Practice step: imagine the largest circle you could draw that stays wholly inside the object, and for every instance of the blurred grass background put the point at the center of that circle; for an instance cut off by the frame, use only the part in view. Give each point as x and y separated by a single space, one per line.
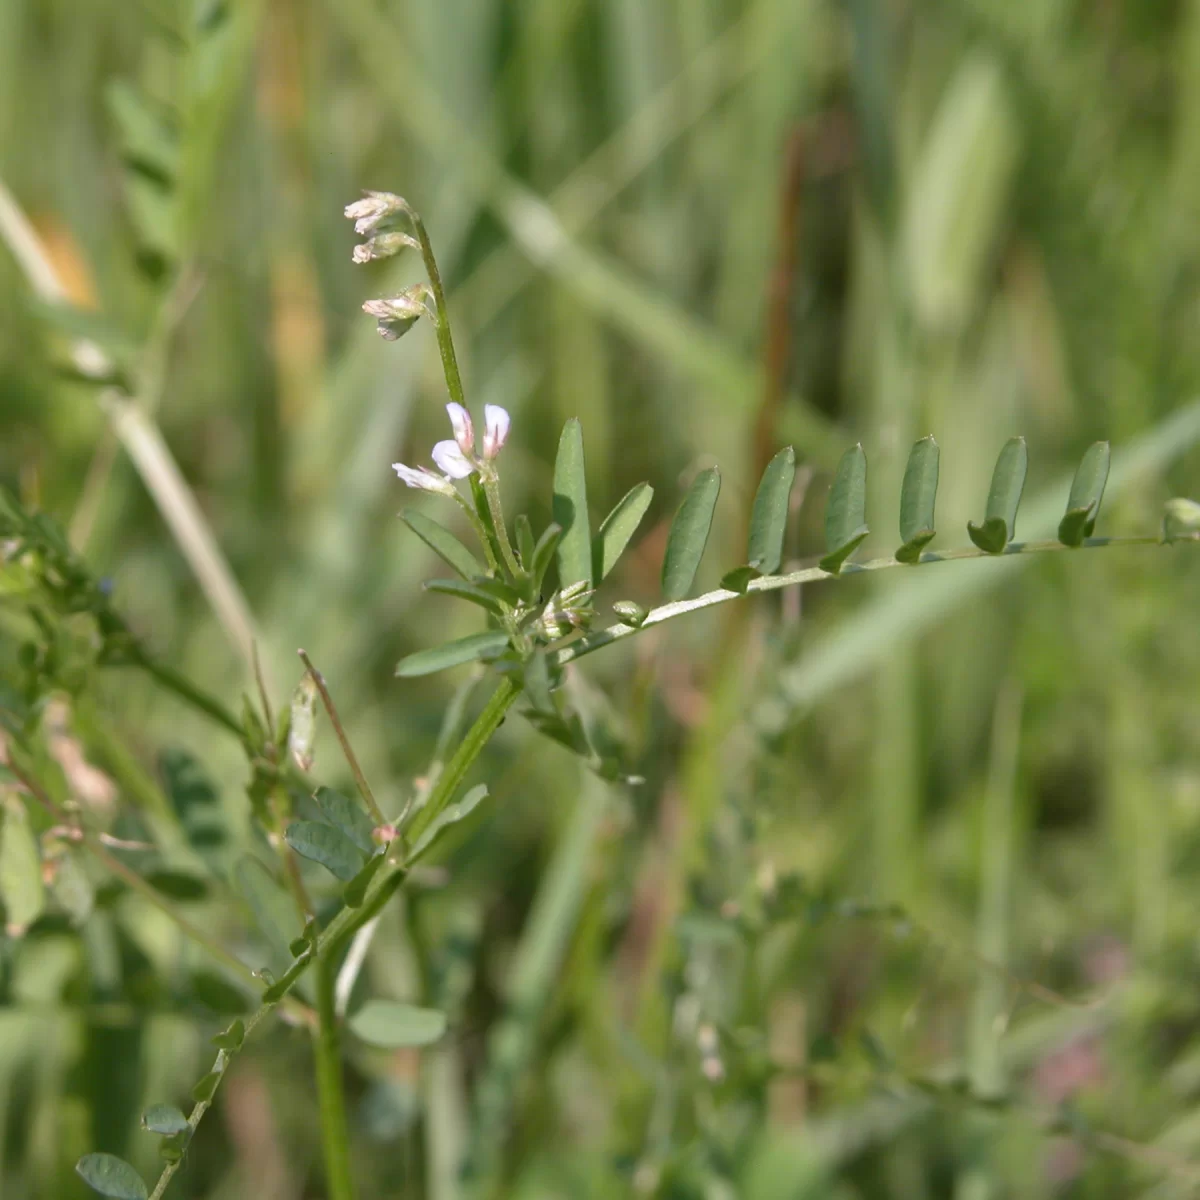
707 228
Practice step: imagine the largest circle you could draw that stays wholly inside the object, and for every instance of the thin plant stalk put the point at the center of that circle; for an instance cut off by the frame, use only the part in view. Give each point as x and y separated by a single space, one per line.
347 750
331 1095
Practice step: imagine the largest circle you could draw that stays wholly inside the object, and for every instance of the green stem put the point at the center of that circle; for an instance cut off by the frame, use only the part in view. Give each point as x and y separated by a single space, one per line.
460 761
771 583
480 532
187 691
335 1134
347 750
444 337
491 489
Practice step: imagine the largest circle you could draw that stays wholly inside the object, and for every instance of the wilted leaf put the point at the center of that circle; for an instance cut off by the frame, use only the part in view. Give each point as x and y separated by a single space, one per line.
303 733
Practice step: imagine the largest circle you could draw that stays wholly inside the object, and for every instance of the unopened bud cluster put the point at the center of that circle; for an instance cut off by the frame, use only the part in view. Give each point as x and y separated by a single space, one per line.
373 217
569 609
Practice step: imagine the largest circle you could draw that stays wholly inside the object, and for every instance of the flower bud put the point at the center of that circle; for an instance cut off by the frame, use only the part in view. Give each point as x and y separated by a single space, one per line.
384 245
463 426
372 210
496 426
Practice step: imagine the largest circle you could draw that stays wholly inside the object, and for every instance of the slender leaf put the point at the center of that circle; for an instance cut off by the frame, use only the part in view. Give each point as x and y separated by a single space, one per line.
325 845
111 1176
443 543
355 892
1004 497
349 816
525 544
918 499
450 815
544 551
570 508
453 654
846 512
1087 490
465 591
768 518
165 1119
391 1025
689 534
498 590
618 528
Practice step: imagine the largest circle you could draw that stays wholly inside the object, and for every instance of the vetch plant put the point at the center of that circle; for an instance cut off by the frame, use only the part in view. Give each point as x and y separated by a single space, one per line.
535 592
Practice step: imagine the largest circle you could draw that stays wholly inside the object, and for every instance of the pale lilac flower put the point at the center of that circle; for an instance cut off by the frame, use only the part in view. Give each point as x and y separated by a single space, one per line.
464 428
423 478
496 426
451 460
372 210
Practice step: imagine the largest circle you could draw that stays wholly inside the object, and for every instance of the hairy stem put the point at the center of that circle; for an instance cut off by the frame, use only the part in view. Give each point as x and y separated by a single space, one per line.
491 489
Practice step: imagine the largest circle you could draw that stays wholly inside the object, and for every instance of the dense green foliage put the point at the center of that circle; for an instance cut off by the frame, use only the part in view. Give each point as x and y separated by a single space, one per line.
876 887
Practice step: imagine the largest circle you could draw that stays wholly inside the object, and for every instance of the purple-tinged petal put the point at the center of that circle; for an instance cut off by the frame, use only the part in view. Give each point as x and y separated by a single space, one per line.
463 426
496 426
450 460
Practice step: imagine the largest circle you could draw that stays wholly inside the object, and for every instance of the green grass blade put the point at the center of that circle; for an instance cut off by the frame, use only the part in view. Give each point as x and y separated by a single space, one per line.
689 534
443 543
453 654
846 512
618 528
1087 490
570 508
1004 497
918 499
768 518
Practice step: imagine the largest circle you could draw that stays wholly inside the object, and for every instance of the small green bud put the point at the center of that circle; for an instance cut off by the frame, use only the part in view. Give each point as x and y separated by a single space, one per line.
1181 520
631 612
